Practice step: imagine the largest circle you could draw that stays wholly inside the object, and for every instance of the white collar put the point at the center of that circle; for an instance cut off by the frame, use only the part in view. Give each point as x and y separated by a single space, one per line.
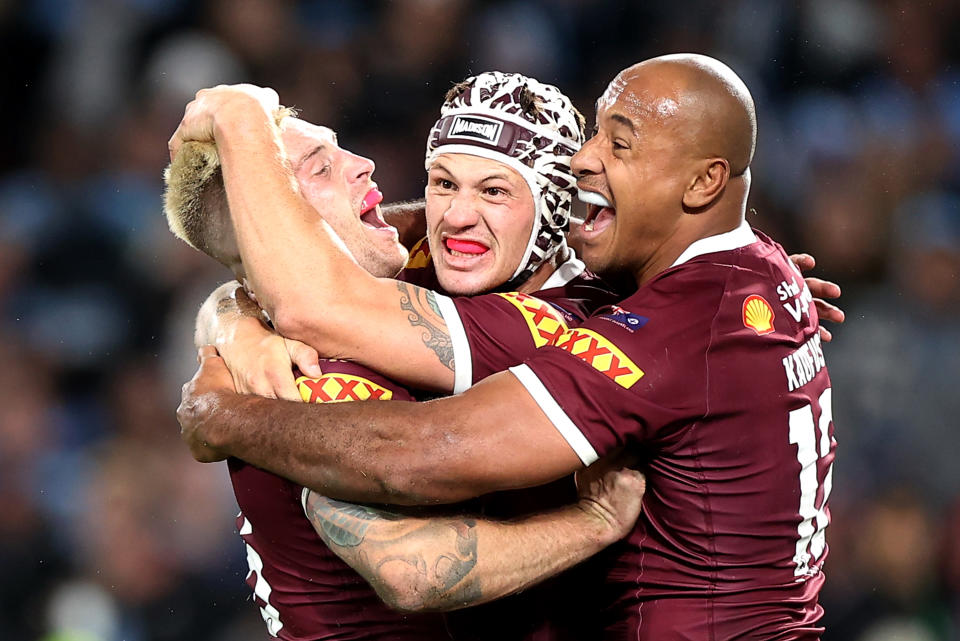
567 271
739 237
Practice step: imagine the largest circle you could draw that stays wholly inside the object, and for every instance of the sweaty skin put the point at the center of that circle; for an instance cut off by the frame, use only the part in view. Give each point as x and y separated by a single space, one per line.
669 192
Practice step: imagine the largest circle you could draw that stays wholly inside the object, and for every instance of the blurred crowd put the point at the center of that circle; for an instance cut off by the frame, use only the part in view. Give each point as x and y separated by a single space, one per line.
110 531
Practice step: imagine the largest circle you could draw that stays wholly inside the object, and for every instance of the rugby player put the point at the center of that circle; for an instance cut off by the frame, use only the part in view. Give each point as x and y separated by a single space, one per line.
303 590
713 369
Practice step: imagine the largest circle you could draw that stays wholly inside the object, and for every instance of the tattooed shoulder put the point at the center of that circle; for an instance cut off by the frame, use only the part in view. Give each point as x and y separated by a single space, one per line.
425 312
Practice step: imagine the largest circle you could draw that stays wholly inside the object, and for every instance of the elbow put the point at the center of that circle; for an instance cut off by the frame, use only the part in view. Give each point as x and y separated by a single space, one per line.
293 319
403 597
415 597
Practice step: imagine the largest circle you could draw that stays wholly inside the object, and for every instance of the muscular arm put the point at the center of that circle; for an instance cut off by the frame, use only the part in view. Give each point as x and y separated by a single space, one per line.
492 437
448 562
329 302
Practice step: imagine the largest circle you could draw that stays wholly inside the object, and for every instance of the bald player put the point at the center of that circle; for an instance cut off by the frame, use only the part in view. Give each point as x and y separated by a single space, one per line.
712 371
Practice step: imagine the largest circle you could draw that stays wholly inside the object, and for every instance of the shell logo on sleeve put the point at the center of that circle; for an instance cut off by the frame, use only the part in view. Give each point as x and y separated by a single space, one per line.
545 323
602 355
757 314
339 388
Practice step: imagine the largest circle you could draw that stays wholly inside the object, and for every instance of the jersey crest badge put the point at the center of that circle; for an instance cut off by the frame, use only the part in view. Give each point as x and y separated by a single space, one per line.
546 324
627 320
602 355
340 388
757 314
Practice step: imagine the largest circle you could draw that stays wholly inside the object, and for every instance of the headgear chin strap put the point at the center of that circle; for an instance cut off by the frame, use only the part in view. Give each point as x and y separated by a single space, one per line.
487 119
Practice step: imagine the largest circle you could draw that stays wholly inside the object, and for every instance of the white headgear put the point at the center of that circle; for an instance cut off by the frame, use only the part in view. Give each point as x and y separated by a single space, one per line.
529 126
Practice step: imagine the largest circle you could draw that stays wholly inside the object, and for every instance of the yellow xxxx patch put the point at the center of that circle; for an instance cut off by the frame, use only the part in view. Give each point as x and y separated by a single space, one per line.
339 388
602 355
545 323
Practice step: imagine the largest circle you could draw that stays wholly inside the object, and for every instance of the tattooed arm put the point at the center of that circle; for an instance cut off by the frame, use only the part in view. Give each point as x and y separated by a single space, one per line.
420 563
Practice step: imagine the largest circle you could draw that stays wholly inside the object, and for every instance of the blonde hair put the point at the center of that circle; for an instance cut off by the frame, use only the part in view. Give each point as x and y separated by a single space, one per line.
195 200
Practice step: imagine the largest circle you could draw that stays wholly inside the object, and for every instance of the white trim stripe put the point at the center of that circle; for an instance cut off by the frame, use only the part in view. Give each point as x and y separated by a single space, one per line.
739 237
568 430
462 358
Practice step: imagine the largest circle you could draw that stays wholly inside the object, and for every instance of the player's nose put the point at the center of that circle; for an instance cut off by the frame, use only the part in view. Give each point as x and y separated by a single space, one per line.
359 168
462 211
586 162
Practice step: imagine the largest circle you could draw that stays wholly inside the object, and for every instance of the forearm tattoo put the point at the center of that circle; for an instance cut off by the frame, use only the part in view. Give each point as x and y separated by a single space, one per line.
424 312
440 551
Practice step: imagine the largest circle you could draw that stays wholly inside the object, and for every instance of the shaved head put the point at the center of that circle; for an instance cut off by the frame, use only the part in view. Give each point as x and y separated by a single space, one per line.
707 105
668 165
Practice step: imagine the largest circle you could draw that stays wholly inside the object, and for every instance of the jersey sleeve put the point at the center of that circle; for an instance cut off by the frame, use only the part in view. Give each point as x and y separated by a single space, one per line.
493 332
632 374
344 381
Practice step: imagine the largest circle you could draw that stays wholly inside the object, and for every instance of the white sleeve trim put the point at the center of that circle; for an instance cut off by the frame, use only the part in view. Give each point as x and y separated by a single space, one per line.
570 432
462 358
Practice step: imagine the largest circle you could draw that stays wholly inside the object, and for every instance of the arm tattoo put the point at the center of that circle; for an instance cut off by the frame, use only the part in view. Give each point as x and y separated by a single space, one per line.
345 524
440 552
424 312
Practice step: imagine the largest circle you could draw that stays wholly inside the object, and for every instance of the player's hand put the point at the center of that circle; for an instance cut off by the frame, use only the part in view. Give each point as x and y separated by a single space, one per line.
261 363
201 115
200 398
614 493
820 289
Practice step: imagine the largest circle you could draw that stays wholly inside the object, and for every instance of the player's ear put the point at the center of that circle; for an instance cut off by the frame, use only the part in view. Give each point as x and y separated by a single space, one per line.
706 184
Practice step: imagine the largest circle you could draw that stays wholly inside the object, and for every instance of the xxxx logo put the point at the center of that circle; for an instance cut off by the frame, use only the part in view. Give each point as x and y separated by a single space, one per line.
545 323
602 355
338 388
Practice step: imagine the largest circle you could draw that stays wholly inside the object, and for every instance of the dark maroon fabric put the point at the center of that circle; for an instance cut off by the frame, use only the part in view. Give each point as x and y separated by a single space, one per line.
723 413
315 595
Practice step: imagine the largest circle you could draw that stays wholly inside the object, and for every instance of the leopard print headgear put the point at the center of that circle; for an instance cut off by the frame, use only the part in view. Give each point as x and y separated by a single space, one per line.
487 118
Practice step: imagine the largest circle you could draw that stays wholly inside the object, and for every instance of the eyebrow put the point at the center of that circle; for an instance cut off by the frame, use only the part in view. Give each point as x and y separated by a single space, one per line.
623 120
307 156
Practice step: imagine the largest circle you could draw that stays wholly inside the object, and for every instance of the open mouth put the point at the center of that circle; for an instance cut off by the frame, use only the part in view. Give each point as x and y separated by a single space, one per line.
600 212
464 248
370 212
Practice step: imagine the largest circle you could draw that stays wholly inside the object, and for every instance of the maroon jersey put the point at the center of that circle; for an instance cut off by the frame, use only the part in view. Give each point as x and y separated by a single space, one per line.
714 373
305 592
490 333
493 331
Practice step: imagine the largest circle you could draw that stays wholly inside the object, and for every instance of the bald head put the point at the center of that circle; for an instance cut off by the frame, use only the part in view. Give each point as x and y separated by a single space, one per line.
703 102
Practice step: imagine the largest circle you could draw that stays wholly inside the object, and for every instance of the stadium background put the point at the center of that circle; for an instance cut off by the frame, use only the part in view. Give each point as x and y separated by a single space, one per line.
105 521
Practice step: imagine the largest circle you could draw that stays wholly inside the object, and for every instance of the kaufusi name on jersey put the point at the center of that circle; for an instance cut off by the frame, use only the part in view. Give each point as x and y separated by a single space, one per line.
804 363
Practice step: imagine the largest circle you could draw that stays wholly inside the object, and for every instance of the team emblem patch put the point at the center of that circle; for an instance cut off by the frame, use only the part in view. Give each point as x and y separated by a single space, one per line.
602 355
339 388
757 314
627 320
545 323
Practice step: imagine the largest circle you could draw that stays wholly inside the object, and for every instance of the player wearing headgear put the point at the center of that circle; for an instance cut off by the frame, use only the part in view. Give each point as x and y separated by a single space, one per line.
499 196
713 369
304 591
466 208
482 194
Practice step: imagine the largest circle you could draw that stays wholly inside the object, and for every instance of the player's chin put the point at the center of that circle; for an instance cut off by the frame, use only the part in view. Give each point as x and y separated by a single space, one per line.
466 283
